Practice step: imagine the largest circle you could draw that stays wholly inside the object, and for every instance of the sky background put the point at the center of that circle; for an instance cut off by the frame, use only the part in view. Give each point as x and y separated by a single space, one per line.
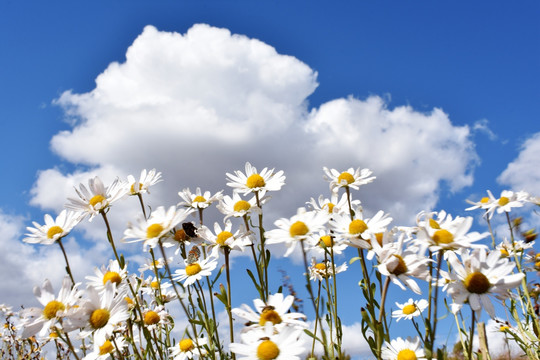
439 99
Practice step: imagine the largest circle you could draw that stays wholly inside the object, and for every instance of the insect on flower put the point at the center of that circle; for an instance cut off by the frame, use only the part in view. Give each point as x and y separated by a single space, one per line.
193 255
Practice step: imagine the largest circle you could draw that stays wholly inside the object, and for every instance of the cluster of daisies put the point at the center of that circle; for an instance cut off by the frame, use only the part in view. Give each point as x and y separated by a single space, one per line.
119 314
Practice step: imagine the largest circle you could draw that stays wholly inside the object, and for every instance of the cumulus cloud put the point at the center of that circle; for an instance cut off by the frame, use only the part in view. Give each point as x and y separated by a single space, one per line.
524 172
200 104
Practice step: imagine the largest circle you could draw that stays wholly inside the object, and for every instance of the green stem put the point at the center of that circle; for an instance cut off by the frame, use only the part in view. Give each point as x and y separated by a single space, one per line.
68 268
229 302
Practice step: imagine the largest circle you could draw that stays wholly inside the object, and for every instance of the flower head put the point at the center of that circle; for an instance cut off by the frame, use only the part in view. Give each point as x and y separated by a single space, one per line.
409 309
235 206
505 203
347 179
334 205
400 349
53 229
255 182
358 231
195 267
199 200
225 238
188 349
112 273
146 179
324 270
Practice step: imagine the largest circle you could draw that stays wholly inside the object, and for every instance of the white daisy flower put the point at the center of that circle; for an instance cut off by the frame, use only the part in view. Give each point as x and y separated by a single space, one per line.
351 178
506 202
151 265
410 309
334 204
154 318
157 226
508 248
483 203
267 344
324 270
106 348
326 244
254 182
478 277
112 273
195 268
445 232
199 200
60 311
97 197
235 206
188 349
53 229
274 311
105 312
400 349
358 231
155 288
302 226
146 179
224 237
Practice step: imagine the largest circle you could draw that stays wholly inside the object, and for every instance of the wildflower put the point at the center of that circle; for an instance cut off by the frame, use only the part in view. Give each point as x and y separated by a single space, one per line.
60 311
400 349
158 225
154 318
325 243
505 202
112 273
348 179
254 182
265 344
198 200
334 204
97 198
274 311
154 264
53 229
237 207
105 348
409 309
302 226
324 270
195 268
508 248
188 349
358 231
146 179
224 237
480 276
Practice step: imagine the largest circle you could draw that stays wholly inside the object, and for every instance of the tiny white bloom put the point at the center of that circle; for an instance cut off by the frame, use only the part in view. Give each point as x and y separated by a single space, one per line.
146 179
199 200
255 182
399 349
350 178
409 309
53 229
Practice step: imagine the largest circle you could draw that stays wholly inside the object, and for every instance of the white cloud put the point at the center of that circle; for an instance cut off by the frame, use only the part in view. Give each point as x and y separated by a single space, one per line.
524 172
200 104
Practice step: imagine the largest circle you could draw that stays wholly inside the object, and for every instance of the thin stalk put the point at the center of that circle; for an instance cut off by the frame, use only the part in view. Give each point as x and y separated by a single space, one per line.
263 250
229 302
436 299
139 195
254 254
338 323
316 320
383 298
110 238
68 268
471 335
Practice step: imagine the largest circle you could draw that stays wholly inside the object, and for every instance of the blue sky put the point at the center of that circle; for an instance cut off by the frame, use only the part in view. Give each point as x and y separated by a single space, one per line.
477 63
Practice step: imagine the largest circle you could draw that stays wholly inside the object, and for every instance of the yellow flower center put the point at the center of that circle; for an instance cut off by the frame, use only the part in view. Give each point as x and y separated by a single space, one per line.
409 309
504 328
153 231
357 227
326 241
400 267
434 224
180 235
267 350
255 181
199 198
241 205
52 308
443 237
113 277
222 237
106 348
379 238
269 315
133 191
345 178
477 283
503 200
53 230
96 200
99 318
193 269
128 300
154 284
320 266
53 335
186 345
330 207
151 318
298 229
484 200
504 253
406 354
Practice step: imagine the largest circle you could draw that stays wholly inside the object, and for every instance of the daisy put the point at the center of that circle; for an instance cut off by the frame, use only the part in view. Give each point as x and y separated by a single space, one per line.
274 311
188 349
195 268
302 226
146 179
105 311
358 231
324 243
154 318
439 231
254 182
348 179
483 203
266 344
154 264
54 229
224 238
157 289
97 197
112 273
157 226
506 202
334 204
107 348
478 277
198 200
400 349
324 270
409 309
518 247
60 311
235 206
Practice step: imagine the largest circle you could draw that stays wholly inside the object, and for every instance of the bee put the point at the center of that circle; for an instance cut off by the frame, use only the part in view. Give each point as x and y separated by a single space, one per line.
193 255
189 229
267 308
